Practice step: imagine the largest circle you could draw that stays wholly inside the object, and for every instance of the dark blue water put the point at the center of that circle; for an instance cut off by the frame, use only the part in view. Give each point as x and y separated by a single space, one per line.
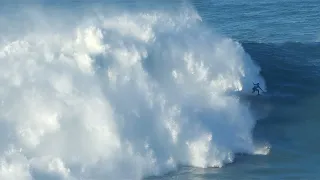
263 21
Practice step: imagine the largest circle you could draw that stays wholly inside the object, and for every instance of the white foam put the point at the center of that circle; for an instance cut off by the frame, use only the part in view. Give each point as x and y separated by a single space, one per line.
122 97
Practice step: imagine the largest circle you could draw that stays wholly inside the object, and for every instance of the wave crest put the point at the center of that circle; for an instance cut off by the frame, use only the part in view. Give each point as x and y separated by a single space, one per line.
124 96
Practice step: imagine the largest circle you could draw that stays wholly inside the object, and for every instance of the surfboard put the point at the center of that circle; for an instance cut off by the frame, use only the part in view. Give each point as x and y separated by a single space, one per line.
248 94
251 96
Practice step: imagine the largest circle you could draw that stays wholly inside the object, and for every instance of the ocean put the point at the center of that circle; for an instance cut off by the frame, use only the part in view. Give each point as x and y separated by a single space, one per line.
159 90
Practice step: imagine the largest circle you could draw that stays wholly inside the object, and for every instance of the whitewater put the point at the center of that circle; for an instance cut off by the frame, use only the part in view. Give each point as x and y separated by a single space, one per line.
109 93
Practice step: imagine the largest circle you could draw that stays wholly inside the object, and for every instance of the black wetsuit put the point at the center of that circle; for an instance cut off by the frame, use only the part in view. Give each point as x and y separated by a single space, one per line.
256 88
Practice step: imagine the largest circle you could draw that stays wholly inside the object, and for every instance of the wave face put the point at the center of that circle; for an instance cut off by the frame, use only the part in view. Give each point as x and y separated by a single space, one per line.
119 94
290 68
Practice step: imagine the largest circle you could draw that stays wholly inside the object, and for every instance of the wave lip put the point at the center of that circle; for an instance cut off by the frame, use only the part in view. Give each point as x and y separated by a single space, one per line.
137 93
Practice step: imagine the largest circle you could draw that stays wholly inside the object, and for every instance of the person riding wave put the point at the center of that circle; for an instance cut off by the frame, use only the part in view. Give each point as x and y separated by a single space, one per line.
256 87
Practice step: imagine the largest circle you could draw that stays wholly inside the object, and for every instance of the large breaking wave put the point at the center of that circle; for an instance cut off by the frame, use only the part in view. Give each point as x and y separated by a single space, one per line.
120 96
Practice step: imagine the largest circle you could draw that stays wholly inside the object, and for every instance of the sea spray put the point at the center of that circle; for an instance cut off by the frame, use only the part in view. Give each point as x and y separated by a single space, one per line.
122 96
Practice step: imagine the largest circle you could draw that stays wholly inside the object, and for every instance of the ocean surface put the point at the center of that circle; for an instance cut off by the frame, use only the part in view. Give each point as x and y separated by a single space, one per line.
159 90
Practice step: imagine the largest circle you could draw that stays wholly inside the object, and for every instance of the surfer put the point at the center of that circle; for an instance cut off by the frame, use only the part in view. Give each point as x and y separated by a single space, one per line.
256 87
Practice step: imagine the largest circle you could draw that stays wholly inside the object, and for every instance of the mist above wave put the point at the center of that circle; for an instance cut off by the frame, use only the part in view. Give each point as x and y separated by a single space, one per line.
121 96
